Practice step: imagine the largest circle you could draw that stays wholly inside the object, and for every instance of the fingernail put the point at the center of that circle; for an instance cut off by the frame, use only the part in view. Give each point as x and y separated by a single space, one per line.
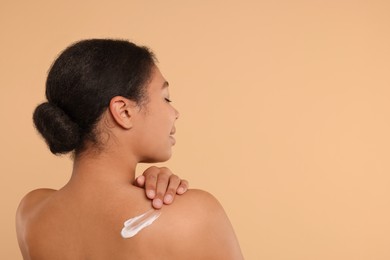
180 190
157 203
168 198
151 194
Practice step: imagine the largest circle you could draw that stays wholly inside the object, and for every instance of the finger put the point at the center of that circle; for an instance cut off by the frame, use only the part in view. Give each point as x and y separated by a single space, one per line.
174 182
162 184
151 181
183 187
140 181
157 203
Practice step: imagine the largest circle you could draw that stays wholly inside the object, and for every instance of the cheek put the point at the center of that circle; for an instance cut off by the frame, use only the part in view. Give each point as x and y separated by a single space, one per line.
163 120
154 138
155 147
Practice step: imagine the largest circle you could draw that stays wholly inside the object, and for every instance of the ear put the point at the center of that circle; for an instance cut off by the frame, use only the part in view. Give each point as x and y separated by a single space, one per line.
122 111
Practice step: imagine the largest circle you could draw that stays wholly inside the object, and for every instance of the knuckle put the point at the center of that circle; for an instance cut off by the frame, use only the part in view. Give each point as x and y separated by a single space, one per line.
174 177
166 171
171 191
151 177
151 170
160 194
162 179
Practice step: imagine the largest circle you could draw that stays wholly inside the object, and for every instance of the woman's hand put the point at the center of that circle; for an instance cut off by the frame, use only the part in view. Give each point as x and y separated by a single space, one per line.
161 185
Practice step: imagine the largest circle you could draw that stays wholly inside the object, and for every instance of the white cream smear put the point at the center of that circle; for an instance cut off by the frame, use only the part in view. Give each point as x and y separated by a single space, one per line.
134 225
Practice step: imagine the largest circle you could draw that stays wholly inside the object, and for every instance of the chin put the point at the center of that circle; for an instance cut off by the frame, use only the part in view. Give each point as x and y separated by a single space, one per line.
157 158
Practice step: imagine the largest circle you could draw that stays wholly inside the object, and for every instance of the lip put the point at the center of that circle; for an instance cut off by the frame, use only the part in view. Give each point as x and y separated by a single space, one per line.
173 131
172 139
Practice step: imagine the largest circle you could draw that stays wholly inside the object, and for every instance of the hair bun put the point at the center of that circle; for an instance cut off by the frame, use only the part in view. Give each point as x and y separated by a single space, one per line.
62 135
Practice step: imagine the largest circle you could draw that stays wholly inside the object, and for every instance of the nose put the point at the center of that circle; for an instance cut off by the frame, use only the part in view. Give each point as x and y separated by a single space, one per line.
177 113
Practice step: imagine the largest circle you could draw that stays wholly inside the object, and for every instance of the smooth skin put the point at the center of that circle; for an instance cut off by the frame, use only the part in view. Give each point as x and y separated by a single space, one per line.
83 220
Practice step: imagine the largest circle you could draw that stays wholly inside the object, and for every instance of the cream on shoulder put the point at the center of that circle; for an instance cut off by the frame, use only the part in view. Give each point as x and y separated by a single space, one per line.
132 226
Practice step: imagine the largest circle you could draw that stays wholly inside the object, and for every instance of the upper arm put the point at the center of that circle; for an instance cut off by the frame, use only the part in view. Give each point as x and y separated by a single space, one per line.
203 230
26 211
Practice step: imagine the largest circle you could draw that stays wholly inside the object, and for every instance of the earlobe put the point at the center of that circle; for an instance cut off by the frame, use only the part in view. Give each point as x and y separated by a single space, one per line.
121 111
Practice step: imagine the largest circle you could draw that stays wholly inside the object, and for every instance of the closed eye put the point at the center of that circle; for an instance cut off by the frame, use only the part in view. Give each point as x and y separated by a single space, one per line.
168 100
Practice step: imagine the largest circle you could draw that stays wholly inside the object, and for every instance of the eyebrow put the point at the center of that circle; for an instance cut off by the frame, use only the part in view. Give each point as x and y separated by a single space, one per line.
165 85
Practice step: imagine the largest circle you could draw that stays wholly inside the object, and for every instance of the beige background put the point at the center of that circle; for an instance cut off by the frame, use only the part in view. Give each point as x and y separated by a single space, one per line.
285 112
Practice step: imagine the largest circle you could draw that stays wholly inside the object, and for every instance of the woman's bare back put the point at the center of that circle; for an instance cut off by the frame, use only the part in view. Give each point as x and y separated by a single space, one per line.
86 222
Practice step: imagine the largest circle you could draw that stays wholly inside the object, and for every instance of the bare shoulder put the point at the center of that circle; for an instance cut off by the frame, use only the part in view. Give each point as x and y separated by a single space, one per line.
197 227
28 208
32 200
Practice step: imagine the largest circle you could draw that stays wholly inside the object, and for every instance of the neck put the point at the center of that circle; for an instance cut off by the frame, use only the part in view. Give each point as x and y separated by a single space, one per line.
105 168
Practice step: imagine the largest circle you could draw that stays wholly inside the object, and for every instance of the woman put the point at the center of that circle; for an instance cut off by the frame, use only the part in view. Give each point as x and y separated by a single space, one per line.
109 104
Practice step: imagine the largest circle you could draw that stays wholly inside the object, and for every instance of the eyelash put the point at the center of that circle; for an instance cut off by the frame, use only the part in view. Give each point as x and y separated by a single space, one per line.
168 100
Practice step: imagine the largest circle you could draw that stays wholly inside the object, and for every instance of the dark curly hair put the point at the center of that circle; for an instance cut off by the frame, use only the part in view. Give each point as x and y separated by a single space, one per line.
81 83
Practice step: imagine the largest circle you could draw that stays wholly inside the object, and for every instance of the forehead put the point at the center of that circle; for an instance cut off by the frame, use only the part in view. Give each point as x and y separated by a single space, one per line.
157 81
